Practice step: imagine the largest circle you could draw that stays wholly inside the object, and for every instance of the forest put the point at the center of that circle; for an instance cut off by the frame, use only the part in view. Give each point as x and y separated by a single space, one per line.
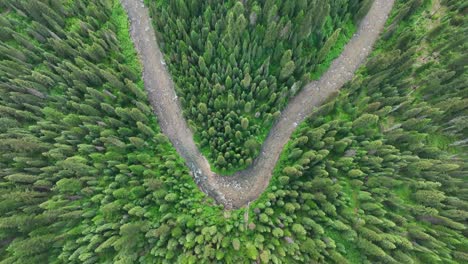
234 65
377 174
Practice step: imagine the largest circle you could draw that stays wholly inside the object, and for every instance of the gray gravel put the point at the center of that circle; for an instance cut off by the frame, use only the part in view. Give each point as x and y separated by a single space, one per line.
244 186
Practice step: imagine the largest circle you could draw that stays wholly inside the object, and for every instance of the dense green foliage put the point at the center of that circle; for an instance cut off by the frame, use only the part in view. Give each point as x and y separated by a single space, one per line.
372 176
377 175
236 64
80 147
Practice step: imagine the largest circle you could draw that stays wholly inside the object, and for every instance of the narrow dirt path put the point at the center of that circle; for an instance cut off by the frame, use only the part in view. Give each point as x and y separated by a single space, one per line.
244 186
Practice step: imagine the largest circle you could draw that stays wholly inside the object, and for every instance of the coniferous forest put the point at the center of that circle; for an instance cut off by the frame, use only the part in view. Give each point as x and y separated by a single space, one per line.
377 174
234 64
